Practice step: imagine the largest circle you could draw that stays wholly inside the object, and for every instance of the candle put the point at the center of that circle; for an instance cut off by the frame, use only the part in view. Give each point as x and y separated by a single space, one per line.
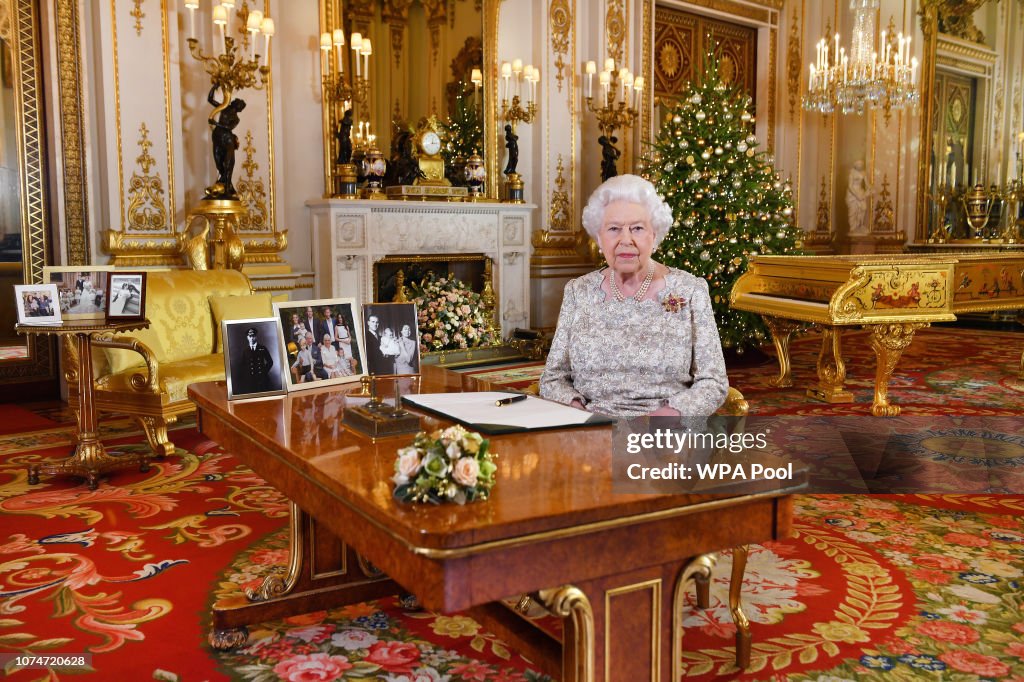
952 175
517 66
590 68
477 78
638 86
605 80
325 50
220 18
609 64
192 5
506 73
267 28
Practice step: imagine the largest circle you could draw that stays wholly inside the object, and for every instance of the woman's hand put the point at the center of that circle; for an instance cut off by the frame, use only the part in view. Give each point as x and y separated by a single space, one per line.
578 404
665 411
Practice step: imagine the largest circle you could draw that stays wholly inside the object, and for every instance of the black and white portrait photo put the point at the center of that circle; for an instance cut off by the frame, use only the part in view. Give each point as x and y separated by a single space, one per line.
392 338
126 295
321 339
253 361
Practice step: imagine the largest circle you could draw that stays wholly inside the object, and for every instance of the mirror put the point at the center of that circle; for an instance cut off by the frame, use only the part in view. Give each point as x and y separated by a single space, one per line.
23 221
422 61
957 138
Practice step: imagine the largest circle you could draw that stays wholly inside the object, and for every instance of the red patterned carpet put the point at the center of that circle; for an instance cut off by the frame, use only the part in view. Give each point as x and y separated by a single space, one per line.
908 587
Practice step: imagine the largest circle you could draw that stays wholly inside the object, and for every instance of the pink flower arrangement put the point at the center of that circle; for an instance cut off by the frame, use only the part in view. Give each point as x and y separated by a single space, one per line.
451 315
673 303
453 465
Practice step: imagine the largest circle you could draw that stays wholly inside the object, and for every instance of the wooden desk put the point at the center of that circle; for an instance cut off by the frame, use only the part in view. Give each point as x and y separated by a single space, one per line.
614 566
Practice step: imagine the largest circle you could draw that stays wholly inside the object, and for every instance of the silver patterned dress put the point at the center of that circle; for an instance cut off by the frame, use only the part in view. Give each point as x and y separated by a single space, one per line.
628 359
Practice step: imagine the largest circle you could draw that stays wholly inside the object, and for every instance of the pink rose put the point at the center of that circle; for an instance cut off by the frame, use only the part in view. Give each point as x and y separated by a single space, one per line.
466 471
931 575
395 657
971 662
1016 649
409 462
318 667
954 633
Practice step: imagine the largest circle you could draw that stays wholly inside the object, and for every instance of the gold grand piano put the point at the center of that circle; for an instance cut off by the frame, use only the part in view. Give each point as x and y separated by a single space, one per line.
891 296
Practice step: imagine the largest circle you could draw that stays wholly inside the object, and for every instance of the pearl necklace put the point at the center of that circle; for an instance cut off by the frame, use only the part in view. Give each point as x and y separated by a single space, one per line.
640 293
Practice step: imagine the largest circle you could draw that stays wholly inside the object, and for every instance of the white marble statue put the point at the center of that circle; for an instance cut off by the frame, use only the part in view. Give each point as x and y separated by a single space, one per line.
857 191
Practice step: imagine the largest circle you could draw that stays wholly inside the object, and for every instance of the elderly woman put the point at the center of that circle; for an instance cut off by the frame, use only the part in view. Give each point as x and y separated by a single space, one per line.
637 337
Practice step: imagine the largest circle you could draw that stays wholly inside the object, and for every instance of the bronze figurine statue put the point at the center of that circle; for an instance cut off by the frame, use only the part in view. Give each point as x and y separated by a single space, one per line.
344 135
512 144
225 142
402 168
609 155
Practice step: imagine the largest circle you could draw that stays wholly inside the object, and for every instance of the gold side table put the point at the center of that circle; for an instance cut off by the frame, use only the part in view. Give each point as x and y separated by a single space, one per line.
89 458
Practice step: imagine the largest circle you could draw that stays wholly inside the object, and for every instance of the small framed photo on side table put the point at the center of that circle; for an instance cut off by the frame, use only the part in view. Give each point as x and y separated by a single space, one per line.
37 304
126 295
81 290
253 358
392 338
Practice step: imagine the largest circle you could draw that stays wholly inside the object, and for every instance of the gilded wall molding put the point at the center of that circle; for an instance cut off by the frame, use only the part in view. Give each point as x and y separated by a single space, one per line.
615 31
793 65
146 210
69 89
251 192
138 14
824 213
559 20
773 50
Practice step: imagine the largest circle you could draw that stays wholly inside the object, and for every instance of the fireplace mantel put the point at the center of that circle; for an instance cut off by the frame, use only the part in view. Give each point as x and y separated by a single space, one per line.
349 236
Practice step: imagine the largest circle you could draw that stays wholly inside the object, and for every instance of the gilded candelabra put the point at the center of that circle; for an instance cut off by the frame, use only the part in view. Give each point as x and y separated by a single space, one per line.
1012 196
235 67
346 96
512 114
940 197
618 107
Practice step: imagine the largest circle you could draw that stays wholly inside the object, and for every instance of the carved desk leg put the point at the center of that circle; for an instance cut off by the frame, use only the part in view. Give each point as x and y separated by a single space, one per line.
831 368
888 342
578 638
739 566
322 573
781 330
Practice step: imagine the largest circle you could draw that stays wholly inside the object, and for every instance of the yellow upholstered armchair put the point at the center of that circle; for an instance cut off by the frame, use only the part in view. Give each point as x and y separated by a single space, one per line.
146 374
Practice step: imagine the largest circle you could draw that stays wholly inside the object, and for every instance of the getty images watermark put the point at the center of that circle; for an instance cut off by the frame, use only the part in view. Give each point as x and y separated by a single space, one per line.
664 454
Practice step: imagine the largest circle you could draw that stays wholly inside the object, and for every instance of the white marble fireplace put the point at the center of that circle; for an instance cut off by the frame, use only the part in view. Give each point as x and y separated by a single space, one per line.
348 237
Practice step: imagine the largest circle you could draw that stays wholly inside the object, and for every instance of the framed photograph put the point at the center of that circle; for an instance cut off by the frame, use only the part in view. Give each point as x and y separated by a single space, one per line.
254 360
392 338
126 295
37 303
81 290
322 340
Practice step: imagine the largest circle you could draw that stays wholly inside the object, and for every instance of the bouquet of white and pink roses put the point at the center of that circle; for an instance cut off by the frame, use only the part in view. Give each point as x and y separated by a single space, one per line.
451 315
452 465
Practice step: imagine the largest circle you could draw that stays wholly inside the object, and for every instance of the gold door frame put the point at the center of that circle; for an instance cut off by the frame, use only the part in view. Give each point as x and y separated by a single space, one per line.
25 43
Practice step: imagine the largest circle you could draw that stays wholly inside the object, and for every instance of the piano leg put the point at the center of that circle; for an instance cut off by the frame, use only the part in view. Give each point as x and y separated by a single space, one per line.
888 342
831 369
781 331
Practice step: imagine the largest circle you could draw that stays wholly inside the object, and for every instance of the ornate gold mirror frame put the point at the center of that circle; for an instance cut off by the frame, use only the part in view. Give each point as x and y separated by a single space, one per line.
331 12
978 63
19 27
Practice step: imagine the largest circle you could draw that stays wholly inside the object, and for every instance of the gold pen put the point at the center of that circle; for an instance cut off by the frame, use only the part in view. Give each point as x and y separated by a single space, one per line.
508 401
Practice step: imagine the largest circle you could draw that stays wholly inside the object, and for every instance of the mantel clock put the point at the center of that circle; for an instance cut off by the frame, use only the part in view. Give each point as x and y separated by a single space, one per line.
427 144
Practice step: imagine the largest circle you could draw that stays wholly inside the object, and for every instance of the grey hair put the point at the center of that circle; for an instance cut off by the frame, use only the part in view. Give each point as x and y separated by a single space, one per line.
634 189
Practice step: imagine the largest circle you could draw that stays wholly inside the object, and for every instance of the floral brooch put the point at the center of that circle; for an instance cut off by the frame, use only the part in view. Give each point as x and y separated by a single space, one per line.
673 303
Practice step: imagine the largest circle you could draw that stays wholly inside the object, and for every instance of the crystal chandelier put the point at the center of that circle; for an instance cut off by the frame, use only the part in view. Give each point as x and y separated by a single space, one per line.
863 79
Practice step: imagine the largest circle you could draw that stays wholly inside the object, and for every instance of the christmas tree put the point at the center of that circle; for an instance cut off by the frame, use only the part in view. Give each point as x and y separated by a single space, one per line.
728 201
464 136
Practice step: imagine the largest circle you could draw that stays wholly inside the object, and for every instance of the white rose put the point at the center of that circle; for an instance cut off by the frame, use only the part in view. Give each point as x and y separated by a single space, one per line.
466 471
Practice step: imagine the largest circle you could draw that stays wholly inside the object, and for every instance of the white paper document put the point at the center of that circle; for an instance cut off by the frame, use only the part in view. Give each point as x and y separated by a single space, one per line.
481 408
